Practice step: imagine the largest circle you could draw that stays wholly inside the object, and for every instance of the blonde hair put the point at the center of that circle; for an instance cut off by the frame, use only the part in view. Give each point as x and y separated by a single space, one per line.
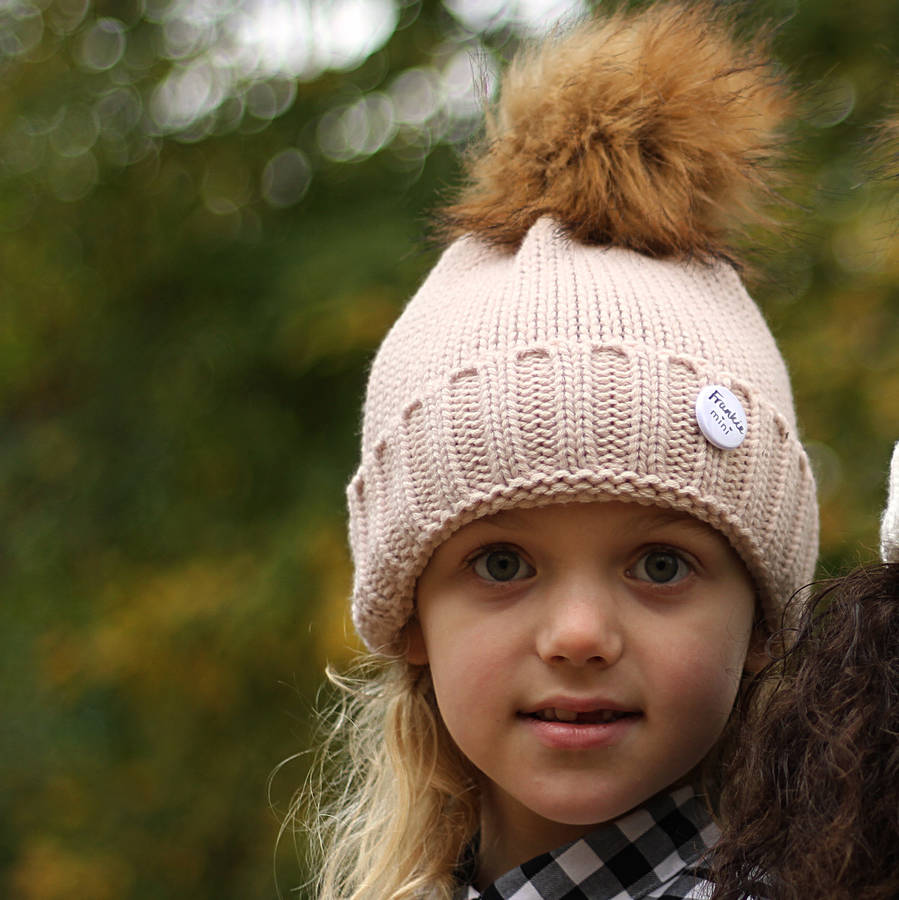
391 803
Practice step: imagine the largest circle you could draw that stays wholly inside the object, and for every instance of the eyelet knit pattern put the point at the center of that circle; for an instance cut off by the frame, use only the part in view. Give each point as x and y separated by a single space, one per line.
564 372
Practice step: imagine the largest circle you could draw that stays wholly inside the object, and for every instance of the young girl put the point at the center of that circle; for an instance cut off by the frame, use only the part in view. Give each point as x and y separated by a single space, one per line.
581 495
811 802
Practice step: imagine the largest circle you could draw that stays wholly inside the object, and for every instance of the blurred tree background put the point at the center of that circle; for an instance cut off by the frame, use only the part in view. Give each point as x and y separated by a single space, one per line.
210 214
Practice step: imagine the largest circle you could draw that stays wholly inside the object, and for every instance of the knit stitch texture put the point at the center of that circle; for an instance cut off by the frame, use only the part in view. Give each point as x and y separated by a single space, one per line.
566 372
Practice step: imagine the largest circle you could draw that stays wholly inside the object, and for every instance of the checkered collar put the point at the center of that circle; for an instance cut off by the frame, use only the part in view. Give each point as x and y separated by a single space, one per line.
651 852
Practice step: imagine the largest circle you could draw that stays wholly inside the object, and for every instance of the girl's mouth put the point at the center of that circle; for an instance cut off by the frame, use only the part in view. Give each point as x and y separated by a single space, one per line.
593 717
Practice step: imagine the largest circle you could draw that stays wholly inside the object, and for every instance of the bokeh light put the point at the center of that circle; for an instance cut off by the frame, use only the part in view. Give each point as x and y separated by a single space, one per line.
285 178
102 45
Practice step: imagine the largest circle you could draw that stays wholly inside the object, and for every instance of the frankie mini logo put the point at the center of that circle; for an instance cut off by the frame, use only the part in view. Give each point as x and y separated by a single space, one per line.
720 417
726 414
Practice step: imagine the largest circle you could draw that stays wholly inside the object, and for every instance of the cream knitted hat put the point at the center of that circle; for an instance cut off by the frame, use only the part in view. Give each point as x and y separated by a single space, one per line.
567 372
565 369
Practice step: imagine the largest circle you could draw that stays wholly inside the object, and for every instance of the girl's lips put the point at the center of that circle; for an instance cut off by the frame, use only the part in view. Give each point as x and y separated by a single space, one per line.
591 716
580 734
574 709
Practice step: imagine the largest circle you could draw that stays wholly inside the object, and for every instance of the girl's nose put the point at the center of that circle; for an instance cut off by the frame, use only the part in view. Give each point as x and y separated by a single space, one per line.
580 625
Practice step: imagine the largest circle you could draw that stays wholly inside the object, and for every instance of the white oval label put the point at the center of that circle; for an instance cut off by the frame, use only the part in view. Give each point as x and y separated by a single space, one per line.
720 416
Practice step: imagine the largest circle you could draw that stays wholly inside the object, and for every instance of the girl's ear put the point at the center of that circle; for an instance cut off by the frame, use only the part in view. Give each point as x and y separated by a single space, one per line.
757 656
416 651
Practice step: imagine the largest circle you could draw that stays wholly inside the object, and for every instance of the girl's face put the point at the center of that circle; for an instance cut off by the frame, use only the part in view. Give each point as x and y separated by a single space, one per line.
584 657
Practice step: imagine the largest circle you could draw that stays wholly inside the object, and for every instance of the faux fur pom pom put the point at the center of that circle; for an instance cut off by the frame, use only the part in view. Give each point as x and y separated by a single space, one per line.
651 130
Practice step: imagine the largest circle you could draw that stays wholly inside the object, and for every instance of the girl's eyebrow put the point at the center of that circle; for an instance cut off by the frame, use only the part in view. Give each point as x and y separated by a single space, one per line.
505 518
658 521
647 520
663 517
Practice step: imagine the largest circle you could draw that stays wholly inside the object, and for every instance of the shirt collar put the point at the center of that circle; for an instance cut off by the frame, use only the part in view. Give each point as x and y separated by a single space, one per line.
626 858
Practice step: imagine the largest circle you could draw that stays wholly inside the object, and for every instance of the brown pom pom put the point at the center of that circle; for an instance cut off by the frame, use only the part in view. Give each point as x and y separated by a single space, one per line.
650 130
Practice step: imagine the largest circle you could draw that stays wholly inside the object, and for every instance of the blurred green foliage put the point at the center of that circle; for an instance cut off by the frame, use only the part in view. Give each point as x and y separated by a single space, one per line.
206 229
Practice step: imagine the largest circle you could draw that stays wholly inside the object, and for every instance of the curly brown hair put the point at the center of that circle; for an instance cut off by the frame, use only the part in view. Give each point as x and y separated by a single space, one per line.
810 804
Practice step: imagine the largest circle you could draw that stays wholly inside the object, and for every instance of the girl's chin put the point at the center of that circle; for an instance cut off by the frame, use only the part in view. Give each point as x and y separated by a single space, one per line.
574 815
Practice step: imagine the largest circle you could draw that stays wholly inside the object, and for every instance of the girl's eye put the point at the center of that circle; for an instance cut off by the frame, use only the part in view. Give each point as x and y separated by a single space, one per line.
501 565
661 567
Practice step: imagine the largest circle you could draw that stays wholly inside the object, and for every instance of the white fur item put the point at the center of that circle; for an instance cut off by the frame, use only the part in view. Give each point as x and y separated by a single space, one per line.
889 524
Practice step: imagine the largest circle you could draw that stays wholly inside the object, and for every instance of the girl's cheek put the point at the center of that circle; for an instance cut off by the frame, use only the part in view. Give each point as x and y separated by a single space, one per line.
704 680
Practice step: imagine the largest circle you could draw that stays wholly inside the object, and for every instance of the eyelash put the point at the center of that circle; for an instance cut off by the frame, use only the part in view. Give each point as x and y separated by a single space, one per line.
484 552
684 568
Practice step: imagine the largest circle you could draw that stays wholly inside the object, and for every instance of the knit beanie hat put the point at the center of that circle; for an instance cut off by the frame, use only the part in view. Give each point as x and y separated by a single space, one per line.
586 335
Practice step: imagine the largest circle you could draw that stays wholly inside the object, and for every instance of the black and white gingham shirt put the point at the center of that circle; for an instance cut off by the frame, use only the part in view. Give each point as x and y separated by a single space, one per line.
653 852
